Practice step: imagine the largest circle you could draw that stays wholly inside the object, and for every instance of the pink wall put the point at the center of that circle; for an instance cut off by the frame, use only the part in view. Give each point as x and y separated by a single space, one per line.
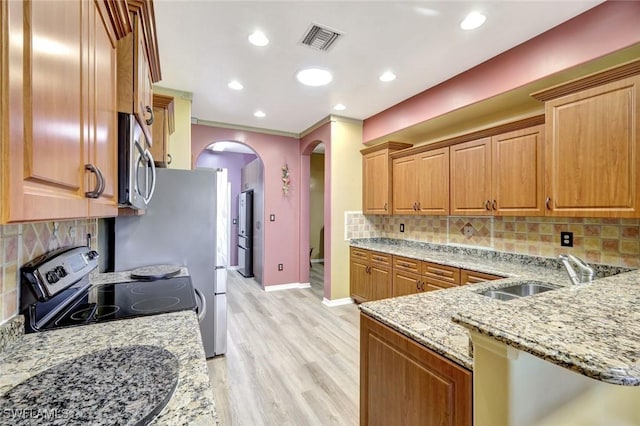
282 242
233 162
604 29
307 143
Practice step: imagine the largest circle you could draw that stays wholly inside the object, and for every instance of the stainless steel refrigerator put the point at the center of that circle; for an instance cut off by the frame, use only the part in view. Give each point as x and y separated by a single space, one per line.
186 223
245 233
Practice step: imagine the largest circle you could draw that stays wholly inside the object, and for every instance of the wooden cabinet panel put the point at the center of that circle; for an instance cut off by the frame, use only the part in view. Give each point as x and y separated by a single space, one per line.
471 178
381 259
103 124
404 383
376 177
447 274
517 173
433 285
592 151
433 182
405 185
381 282
472 277
405 283
359 279
407 264
163 125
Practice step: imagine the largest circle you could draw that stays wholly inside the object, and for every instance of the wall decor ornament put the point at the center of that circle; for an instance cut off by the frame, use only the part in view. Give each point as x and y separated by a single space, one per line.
286 180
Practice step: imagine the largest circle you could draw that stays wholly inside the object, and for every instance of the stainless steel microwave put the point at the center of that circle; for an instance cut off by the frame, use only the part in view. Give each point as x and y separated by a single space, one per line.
136 170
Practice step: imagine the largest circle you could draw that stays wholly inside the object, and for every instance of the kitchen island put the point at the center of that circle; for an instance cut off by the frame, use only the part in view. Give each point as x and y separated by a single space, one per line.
25 355
589 329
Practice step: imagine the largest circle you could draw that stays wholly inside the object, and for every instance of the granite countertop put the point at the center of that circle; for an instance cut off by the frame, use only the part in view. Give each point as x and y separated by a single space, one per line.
23 356
592 329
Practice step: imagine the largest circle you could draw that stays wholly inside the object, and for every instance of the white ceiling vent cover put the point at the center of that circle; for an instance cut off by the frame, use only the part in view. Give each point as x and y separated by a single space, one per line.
321 38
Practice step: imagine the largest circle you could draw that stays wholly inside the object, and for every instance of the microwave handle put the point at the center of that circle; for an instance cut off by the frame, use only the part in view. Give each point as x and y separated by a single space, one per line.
149 157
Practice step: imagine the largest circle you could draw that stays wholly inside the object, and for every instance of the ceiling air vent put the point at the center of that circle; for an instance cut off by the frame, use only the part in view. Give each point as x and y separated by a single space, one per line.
321 38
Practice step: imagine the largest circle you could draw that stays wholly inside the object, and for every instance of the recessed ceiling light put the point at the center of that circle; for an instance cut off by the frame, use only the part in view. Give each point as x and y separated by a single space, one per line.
473 21
339 107
257 38
235 85
314 77
387 76
259 114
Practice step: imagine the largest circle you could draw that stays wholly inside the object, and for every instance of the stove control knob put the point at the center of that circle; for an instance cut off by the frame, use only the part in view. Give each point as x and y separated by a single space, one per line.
93 255
61 272
52 277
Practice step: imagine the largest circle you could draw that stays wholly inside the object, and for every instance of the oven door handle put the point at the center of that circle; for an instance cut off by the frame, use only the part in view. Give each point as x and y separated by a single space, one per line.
202 307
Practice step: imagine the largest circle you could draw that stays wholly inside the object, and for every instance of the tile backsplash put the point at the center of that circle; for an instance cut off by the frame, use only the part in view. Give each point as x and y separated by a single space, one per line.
608 241
23 242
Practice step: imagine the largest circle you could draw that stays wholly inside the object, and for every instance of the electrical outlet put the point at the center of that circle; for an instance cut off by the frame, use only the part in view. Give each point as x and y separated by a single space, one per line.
280 267
235 221
272 217
566 239
402 227
468 230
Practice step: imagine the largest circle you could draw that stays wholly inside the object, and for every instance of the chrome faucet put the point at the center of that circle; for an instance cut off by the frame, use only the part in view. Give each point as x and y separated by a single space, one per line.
586 272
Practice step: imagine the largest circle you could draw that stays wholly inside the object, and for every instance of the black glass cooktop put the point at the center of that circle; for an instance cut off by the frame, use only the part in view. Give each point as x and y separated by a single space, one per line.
109 302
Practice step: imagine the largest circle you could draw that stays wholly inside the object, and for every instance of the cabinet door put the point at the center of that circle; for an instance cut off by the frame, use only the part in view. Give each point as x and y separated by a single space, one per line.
433 182
103 116
517 169
405 283
47 111
375 180
592 151
160 128
404 383
359 275
143 96
380 282
471 178
405 189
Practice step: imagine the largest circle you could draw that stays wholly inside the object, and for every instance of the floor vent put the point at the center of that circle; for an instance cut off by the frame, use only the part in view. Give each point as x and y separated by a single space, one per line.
321 38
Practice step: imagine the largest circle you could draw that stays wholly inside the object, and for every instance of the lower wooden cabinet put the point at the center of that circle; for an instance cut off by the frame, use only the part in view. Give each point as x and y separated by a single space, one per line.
404 383
370 275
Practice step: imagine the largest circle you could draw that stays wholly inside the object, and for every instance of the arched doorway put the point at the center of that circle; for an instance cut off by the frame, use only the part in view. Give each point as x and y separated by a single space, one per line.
245 173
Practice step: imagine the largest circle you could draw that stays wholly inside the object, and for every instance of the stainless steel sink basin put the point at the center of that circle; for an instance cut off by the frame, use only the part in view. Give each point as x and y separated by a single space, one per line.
521 289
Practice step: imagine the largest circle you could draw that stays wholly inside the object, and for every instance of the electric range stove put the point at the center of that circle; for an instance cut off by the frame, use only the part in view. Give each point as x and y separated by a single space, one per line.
56 293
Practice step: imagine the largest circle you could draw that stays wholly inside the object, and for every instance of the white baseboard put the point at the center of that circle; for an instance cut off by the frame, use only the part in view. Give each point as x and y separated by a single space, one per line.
317 260
337 302
290 286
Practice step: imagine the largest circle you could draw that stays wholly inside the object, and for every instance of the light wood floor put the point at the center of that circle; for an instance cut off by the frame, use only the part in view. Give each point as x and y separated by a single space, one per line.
290 359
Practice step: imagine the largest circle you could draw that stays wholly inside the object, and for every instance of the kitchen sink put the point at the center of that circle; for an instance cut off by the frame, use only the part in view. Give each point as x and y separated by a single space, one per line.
521 289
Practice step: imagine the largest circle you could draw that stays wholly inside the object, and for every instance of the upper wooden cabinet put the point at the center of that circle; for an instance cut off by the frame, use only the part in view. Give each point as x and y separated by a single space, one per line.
138 66
376 177
59 109
471 178
593 146
500 175
421 183
163 126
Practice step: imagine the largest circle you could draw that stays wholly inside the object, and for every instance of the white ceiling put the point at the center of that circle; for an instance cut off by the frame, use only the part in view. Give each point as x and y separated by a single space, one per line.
203 45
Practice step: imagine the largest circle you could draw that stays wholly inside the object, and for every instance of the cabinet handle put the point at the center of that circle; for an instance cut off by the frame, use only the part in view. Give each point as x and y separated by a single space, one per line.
415 206
149 120
547 203
487 205
418 209
385 204
494 205
100 182
422 286
417 285
171 160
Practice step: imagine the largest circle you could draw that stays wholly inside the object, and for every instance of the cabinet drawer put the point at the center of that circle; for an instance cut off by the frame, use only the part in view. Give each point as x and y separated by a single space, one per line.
406 264
446 274
472 277
359 254
431 285
380 258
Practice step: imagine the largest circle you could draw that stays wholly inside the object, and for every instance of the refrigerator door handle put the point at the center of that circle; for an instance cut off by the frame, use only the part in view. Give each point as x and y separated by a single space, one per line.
202 306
